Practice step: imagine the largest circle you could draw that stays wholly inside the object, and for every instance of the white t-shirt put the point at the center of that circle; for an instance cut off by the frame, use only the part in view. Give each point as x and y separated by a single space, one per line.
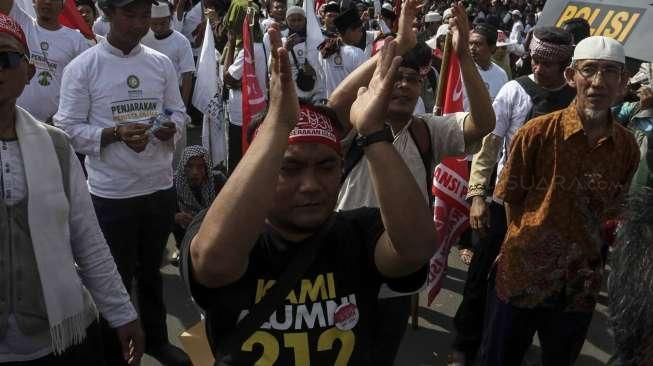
176 47
517 32
307 52
337 66
494 78
447 139
50 52
103 88
236 72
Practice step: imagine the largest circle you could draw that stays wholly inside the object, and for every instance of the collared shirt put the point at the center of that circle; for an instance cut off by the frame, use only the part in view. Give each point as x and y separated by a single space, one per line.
103 88
561 189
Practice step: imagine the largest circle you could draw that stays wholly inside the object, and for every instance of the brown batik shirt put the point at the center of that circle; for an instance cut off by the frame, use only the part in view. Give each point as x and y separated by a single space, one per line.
565 188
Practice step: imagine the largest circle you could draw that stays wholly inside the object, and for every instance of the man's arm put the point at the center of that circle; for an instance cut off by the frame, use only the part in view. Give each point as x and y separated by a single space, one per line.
480 106
342 98
220 250
186 87
410 238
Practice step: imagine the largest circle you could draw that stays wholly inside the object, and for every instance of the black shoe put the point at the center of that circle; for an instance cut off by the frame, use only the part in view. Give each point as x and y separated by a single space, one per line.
169 355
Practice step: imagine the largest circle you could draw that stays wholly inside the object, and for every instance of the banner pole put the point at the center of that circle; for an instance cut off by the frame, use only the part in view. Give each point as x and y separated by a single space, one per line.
444 76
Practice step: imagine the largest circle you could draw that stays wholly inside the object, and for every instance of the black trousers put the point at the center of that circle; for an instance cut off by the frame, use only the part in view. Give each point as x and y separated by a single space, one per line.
235 147
137 231
389 329
468 321
89 352
509 333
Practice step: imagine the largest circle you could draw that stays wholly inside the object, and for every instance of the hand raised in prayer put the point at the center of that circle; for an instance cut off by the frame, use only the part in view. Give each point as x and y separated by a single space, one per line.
406 36
368 112
132 342
166 131
134 135
284 105
459 26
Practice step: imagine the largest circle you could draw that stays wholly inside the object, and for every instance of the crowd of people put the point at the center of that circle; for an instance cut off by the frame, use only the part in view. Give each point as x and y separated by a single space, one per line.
308 247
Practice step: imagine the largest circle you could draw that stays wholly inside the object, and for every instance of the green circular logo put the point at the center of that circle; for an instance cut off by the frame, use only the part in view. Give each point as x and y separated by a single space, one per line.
133 82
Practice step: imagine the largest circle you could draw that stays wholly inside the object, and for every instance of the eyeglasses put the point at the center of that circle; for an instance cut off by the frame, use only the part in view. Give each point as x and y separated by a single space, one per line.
609 73
10 59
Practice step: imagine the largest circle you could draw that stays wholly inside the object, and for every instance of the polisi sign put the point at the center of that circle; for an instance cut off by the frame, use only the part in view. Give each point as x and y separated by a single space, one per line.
611 21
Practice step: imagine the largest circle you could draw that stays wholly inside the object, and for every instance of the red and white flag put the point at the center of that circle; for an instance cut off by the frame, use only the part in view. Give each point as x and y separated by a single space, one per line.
253 100
450 184
71 18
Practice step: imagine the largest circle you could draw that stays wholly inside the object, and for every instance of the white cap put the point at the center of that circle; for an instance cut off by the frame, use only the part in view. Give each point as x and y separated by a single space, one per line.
295 10
433 16
516 12
160 10
388 6
447 13
442 30
600 48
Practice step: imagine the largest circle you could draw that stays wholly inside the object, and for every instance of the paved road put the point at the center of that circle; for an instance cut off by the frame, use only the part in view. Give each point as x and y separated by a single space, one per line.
426 346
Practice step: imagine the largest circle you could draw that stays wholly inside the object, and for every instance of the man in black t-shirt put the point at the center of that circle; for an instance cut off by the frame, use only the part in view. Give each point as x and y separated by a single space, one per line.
234 254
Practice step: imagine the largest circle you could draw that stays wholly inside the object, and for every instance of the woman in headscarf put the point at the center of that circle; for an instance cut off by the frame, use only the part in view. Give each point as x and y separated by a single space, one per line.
196 185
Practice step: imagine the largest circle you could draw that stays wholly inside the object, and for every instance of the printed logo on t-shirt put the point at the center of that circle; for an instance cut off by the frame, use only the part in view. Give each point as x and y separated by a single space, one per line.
134 110
44 78
317 307
133 82
337 59
44 46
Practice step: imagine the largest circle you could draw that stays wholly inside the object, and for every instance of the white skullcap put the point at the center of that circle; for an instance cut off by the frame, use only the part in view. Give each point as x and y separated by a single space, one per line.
447 13
432 17
516 12
600 48
442 30
388 6
160 10
295 10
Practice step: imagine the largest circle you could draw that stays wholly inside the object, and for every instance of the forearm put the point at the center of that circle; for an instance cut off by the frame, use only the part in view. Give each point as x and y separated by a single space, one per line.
482 166
406 216
221 248
186 84
480 105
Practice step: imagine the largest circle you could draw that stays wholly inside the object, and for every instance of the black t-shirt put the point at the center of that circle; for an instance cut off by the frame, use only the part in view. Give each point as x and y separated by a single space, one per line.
305 329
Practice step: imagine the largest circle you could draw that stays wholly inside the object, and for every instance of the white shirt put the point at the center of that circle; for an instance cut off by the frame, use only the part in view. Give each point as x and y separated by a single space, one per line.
103 88
236 72
516 34
176 47
337 66
494 78
447 139
192 19
50 52
101 27
305 52
96 266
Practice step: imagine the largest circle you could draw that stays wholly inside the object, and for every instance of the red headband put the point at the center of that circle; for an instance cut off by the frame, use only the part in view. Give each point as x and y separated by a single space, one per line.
9 26
314 126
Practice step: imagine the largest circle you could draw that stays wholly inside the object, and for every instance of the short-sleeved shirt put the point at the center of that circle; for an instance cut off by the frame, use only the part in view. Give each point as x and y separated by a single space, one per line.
176 47
447 139
304 330
340 64
565 189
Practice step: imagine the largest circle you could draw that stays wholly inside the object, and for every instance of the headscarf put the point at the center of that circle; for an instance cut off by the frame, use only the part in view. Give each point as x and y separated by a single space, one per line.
185 196
550 52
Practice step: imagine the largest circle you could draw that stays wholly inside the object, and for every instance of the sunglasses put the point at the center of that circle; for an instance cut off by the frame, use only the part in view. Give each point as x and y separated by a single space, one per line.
11 59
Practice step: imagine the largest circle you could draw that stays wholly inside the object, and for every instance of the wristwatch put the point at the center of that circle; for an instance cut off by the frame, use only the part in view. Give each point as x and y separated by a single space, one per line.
378 136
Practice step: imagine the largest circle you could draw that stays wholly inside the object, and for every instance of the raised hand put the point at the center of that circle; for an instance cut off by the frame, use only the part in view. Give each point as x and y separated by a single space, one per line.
368 112
406 36
284 105
459 26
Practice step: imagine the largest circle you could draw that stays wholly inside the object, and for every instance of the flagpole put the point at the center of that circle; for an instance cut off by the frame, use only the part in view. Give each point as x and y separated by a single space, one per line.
444 75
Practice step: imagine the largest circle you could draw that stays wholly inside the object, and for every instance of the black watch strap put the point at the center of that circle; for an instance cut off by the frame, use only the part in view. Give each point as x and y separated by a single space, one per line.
378 136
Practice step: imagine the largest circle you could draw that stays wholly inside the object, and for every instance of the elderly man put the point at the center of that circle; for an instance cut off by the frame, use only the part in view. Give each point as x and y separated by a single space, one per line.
328 267
566 174
56 265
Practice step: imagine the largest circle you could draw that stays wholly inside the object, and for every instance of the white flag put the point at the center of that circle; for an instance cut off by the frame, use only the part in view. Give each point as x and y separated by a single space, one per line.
314 34
207 98
28 7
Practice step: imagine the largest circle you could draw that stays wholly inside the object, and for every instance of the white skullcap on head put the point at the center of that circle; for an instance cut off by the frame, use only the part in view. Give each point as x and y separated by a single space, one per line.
447 13
442 30
432 17
516 12
600 48
295 10
160 10
388 6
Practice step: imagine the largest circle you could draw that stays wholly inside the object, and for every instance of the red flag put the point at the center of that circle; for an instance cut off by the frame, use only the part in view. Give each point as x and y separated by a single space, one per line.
450 184
71 18
253 99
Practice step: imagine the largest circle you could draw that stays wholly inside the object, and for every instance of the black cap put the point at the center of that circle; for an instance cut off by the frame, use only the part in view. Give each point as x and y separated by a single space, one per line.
348 19
332 7
104 4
